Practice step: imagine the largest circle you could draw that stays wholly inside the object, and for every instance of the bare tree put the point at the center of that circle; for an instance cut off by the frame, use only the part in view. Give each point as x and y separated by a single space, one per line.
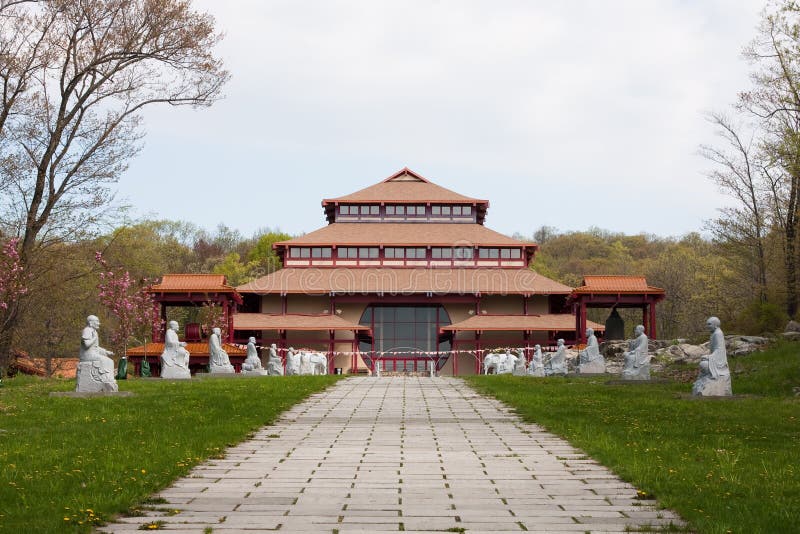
740 173
75 76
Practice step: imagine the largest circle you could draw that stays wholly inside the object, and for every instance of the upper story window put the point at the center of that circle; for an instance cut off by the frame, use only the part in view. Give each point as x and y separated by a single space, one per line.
358 252
311 252
359 210
438 253
405 211
396 253
463 253
448 211
496 253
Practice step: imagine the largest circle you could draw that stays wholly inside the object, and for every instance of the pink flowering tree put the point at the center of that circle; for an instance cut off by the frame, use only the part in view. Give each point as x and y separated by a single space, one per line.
13 285
213 316
128 301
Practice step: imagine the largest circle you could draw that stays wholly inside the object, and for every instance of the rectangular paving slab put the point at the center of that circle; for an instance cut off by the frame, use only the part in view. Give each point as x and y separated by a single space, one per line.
413 454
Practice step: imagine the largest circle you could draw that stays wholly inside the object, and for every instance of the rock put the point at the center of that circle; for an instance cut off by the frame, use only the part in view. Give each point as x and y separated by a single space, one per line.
721 387
791 336
741 345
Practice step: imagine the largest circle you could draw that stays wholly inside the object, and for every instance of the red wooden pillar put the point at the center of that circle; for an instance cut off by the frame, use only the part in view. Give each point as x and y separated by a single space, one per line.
156 323
645 321
330 351
454 348
652 331
580 317
478 354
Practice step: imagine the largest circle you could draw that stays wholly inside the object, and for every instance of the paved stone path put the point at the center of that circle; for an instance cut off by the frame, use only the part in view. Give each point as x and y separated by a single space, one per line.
413 454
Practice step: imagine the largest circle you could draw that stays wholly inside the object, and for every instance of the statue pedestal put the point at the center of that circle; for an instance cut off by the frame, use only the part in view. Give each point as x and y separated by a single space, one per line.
637 373
174 372
221 369
595 367
255 372
95 377
708 387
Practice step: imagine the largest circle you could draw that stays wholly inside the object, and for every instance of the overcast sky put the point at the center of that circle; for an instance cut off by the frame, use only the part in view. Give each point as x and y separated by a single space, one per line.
570 114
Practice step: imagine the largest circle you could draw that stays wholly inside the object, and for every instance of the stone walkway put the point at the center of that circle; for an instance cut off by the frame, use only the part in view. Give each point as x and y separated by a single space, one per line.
413 454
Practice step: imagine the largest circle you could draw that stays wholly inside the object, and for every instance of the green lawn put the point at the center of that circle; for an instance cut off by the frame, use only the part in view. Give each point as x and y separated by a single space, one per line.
67 463
726 465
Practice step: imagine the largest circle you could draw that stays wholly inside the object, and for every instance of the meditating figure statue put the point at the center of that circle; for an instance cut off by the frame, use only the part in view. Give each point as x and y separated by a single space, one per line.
292 362
218 361
557 365
274 364
591 361
519 365
715 377
175 358
637 359
252 364
306 367
536 368
95 369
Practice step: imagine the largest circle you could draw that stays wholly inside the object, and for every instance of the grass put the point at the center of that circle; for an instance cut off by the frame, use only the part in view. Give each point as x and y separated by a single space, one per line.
68 464
725 465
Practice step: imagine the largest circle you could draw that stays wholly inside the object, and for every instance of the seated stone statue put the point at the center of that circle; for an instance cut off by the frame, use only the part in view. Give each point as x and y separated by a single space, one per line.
175 358
536 368
218 361
252 364
519 365
591 361
557 364
95 369
306 367
274 364
292 362
715 377
637 359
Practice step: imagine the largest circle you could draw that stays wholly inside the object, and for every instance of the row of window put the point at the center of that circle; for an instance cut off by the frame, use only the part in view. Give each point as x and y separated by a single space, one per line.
405 210
437 253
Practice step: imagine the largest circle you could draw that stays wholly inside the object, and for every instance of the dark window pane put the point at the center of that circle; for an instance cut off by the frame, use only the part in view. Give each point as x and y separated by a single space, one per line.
405 314
389 210
373 210
401 210
445 210
466 210
436 210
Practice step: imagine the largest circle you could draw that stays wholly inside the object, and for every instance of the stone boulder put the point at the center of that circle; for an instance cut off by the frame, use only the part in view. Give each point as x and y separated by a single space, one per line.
793 326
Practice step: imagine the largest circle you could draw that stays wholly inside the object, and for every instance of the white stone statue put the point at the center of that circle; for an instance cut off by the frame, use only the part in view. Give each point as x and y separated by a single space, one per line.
95 371
252 364
557 364
274 364
519 365
292 362
175 358
536 367
637 359
319 363
218 361
501 364
715 377
591 361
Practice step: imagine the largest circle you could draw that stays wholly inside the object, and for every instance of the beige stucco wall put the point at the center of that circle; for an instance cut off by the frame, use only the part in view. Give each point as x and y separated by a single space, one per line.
270 304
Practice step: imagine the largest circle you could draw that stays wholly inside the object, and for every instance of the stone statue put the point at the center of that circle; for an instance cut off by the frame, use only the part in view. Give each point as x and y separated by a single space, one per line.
536 368
306 368
519 365
175 358
218 361
715 377
557 364
637 359
591 361
95 369
499 364
274 364
252 364
292 362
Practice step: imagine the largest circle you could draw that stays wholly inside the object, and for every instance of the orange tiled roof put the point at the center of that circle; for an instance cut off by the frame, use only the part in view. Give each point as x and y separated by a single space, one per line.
405 186
195 349
405 282
60 367
549 322
616 284
269 321
422 234
183 283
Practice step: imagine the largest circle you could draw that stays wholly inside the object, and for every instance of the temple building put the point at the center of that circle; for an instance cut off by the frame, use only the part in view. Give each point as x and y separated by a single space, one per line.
406 273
